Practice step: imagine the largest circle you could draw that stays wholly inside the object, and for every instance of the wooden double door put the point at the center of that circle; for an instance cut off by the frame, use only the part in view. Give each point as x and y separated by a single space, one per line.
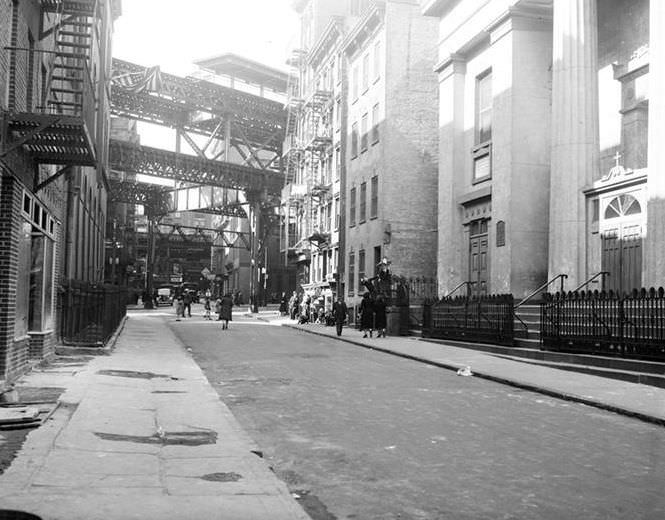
479 257
622 257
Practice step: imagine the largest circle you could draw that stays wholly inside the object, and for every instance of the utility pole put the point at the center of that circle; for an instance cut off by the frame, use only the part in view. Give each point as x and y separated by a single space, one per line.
149 267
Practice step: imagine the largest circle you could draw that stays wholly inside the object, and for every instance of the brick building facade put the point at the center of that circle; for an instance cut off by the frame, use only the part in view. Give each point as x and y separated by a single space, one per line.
391 172
53 139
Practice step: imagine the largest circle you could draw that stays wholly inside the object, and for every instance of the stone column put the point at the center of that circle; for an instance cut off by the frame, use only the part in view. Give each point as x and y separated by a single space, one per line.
654 246
452 154
575 142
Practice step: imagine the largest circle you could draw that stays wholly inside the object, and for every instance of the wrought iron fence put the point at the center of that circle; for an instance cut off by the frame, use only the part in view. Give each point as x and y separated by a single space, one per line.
484 318
421 289
90 313
606 323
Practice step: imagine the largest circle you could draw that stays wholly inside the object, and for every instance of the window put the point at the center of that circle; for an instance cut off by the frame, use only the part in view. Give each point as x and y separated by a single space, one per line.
354 83
352 207
361 265
363 203
374 205
337 213
363 133
352 273
354 140
365 72
338 114
375 124
482 152
621 206
484 108
338 163
377 60
377 259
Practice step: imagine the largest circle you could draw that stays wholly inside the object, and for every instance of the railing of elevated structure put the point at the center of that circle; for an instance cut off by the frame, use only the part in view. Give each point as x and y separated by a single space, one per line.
606 323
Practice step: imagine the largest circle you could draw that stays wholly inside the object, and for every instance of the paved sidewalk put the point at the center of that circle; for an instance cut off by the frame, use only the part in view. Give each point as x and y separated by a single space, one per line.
636 400
142 434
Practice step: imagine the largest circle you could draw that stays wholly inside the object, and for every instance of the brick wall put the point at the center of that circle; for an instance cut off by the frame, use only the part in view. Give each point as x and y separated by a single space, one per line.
13 356
411 140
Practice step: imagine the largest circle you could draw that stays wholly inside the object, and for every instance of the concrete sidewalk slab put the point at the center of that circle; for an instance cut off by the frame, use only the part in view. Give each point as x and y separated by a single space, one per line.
643 402
141 433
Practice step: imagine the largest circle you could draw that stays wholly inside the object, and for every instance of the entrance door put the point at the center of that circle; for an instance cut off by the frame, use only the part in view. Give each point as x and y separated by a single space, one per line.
622 258
622 244
478 257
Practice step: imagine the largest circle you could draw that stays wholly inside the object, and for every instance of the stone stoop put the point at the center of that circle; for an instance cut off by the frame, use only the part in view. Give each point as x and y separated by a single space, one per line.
530 315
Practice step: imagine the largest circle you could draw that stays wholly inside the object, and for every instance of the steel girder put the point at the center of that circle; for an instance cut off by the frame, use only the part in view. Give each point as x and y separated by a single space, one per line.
130 158
159 199
198 106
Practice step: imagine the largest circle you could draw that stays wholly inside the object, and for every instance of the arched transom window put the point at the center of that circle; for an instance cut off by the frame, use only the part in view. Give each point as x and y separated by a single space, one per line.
622 206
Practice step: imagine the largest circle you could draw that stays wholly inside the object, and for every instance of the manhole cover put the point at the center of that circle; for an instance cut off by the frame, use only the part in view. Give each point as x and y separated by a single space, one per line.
222 477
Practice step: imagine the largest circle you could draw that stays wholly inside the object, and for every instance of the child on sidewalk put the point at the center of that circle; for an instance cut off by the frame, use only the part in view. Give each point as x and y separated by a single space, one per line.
206 307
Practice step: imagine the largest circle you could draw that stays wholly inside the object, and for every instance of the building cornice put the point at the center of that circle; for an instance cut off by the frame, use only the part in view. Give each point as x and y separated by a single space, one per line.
435 7
365 28
333 33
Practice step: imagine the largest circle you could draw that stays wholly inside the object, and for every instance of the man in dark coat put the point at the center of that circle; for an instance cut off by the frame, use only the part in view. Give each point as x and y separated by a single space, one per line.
187 299
380 320
340 312
366 315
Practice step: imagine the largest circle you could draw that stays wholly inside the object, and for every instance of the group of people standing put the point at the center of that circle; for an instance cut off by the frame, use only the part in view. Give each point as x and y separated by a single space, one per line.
223 308
373 315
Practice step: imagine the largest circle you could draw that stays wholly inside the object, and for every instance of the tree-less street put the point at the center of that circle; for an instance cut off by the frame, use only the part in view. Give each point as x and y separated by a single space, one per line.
361 434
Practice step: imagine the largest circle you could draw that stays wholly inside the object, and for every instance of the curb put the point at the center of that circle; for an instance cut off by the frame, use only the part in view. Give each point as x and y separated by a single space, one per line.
498 379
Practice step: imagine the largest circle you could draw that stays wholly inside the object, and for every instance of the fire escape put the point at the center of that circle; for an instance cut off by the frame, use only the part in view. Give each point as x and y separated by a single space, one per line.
292 152
317 164
61 127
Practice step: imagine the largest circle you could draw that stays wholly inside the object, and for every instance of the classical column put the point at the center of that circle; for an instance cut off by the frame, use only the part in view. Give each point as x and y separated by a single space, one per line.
450 271
654 246
575 144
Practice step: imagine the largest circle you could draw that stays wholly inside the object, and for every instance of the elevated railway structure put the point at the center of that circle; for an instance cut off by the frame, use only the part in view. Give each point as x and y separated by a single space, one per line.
236 137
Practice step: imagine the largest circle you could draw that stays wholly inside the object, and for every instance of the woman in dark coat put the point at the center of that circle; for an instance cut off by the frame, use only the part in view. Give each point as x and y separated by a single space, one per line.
226 306
366 315
380 321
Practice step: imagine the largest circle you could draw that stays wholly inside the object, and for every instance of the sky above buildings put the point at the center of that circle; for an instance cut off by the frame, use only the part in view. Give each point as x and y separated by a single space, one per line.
173 34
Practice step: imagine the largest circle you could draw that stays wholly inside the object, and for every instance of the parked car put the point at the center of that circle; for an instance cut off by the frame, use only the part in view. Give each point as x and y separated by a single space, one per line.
165 296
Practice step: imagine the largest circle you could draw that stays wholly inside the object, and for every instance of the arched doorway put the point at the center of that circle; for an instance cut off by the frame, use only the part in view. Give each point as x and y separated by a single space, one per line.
621 232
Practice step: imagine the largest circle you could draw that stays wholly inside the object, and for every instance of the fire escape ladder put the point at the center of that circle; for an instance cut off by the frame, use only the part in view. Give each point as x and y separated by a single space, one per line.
69 72
294 106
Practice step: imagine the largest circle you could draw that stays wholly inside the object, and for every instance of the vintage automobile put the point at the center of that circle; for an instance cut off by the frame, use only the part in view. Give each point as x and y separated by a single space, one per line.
165 295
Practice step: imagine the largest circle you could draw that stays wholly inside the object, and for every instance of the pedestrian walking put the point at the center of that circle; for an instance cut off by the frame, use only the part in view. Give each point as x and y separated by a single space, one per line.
218 309
340 312
294 303
206 307
179 308
226 312
187 300
283 305
380 320
366 315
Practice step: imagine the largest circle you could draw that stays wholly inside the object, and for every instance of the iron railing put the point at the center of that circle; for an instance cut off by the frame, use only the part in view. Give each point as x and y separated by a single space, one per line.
606 323
90 313
481 318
